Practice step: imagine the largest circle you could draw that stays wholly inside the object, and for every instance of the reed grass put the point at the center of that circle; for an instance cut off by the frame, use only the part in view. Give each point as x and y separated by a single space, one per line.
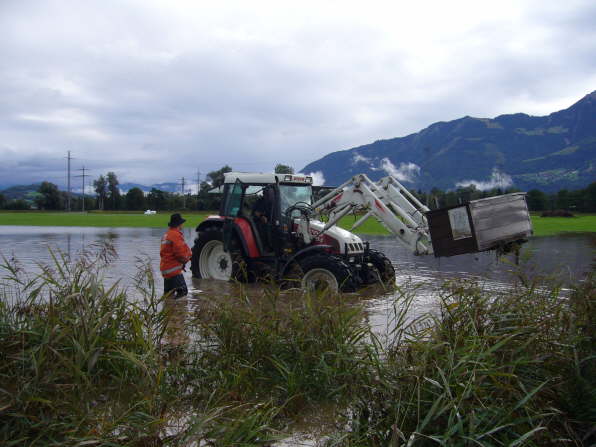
509 368
85 364
82 364
293 349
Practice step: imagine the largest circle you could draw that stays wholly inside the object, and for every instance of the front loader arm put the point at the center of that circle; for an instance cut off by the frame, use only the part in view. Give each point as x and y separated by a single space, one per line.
384 201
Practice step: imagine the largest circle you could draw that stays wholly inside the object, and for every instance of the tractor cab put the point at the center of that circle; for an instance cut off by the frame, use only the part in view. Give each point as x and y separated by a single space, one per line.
264 206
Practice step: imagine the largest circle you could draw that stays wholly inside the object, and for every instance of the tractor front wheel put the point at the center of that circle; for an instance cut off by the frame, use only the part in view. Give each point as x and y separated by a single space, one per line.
326 273
382 271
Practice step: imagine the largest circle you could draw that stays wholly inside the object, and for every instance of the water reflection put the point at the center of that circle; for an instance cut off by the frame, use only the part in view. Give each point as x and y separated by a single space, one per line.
176 336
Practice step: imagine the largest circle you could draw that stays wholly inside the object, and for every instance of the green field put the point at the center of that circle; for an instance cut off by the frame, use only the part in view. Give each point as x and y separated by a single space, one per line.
543 226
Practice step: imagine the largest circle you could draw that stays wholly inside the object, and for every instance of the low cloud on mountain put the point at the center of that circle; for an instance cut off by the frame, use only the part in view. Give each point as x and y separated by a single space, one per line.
497 179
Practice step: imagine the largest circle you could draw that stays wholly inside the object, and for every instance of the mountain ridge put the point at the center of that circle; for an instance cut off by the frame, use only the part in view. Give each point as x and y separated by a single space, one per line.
549 152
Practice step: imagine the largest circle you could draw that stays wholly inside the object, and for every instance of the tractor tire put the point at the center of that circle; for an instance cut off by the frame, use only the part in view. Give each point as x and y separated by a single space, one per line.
383 271
210 261
326 273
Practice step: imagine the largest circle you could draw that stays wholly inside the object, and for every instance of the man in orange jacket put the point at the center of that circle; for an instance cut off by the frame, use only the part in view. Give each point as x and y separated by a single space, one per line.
174 255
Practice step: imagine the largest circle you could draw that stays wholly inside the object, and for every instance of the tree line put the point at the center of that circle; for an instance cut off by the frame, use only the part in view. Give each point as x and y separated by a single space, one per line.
109 197
579 200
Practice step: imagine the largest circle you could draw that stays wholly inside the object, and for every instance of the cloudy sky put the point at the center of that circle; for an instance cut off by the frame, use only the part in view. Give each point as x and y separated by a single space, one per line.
156 90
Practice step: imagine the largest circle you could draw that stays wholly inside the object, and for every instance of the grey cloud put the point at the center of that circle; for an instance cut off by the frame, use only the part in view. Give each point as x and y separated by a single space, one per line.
113 83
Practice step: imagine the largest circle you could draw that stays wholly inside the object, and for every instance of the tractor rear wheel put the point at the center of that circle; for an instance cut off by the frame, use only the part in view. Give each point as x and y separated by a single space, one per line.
211 261
323 272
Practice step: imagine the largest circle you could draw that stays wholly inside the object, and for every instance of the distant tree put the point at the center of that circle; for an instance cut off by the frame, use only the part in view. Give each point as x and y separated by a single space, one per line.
157 199
451 199
208 200
135 199
113 190
589 198
562 201
537 200
283 169
2 200
50 198
467 193
17 205
90 203
217 177
101 189
436 199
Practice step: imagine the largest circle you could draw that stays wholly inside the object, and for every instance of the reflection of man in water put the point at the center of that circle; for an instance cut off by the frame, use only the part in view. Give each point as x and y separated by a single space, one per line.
176 336
261 213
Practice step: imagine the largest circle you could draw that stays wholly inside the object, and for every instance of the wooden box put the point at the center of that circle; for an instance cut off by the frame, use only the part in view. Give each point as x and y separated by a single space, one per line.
479 225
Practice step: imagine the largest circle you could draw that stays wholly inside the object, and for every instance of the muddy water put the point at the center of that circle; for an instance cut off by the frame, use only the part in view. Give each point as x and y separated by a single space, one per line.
568 256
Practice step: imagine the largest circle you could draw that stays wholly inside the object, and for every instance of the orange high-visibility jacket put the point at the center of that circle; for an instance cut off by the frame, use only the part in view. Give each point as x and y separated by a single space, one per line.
174 253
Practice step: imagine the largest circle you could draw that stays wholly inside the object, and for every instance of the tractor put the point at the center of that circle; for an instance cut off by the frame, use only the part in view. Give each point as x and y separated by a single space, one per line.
266 231
270 228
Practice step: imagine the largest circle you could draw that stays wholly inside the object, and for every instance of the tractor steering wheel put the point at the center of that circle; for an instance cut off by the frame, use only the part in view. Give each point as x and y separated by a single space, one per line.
304 208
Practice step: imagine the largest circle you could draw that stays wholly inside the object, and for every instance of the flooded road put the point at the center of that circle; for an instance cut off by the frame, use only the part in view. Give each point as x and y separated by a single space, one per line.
567 256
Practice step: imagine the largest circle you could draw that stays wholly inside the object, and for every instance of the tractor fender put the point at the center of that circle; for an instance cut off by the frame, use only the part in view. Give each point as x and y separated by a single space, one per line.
216 221
240 231
245 234
302 252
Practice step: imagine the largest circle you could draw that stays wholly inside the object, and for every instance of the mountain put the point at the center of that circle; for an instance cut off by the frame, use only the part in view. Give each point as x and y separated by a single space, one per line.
27 192
167 186
545 152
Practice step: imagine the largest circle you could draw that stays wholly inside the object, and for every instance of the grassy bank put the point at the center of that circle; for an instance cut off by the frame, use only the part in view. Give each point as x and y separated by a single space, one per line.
81 364
94 219
543 226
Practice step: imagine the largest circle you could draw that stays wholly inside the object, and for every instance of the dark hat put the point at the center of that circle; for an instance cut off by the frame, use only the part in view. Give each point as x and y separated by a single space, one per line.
175 220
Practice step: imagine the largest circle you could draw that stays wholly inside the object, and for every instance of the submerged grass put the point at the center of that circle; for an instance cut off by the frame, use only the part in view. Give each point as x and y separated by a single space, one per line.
84 364
292 349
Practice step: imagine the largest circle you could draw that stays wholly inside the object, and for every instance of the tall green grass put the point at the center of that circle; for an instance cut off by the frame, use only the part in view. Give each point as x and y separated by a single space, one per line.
300 349
82 364
488 369
85 364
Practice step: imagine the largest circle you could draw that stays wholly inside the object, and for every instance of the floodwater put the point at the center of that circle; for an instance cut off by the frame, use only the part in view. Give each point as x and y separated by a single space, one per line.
568 257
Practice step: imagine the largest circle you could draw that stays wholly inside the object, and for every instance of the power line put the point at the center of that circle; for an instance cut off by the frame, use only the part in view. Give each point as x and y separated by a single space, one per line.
68 157
83 175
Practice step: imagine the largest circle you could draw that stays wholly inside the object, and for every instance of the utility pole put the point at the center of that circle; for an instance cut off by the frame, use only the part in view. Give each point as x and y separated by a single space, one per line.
83 175
198 182
68 157
183 194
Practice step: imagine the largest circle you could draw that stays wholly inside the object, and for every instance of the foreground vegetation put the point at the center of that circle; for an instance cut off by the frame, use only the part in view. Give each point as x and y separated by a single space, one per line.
543 226
83 364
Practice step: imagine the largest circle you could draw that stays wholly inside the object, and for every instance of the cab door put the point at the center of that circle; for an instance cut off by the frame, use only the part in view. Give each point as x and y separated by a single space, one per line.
234 200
